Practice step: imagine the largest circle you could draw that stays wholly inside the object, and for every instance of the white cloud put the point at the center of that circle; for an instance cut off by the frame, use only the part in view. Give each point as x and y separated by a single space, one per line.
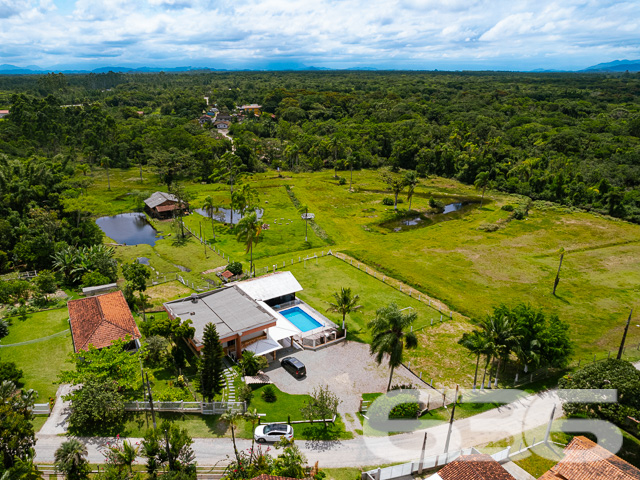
387 33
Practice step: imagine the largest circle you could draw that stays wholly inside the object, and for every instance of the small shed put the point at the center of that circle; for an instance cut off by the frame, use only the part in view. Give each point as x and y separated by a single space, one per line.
162 205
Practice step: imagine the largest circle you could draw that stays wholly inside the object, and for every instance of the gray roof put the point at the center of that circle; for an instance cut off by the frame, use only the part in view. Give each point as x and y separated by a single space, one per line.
159 198
229 309
270 286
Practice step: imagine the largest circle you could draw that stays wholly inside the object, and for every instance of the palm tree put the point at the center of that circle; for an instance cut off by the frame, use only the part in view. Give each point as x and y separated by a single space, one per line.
248 231
252 416
482 181
70 459
211 208
390 335
477 344
502 339
127 455
345 303
411 181
232 418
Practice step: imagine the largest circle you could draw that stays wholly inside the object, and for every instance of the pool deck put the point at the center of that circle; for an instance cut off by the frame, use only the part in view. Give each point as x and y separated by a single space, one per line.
325 323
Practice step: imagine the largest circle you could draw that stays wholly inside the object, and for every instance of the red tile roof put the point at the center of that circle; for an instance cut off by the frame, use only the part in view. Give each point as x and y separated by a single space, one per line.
227 274
474 467
100 320
585 460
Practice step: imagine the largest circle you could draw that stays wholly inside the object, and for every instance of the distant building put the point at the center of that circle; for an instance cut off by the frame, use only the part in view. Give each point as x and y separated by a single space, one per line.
221 125
223 117
162 205
4 113
100 320
253 108
205 119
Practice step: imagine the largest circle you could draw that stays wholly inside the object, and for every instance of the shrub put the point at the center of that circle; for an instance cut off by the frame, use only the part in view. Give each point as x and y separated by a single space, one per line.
405 410
245 393
155 349
489 227
508 208
387 201
251 363
4 328
10 371
235 268
269 394
518 214
436 204
92 279
342 181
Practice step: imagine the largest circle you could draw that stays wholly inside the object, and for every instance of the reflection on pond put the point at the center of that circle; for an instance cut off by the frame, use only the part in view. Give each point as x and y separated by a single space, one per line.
128 229
143 260
451 211
224 214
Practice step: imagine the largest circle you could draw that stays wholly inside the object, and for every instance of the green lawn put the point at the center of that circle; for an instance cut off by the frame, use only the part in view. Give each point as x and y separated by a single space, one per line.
201 426
41 362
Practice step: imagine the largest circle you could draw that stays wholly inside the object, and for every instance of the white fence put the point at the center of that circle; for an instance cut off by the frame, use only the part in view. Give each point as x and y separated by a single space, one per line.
409 468
205 408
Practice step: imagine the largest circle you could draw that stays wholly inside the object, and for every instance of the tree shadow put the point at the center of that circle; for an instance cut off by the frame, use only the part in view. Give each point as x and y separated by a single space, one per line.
179 241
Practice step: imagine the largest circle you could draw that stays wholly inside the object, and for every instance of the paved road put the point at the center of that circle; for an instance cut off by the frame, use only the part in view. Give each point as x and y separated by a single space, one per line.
511 419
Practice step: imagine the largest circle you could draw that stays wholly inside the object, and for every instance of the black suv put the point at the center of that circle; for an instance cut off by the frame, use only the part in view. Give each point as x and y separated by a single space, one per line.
294 366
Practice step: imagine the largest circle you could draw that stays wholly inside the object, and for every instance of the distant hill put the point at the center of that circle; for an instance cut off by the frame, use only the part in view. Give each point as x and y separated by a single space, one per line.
615 66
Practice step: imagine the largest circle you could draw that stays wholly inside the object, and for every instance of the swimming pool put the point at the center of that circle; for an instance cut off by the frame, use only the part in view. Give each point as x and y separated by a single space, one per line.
301 319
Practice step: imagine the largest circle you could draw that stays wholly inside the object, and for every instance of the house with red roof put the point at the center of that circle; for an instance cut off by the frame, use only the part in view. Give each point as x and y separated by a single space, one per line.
100 320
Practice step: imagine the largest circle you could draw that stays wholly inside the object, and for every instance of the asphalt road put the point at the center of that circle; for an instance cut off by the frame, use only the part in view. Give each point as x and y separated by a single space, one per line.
511 419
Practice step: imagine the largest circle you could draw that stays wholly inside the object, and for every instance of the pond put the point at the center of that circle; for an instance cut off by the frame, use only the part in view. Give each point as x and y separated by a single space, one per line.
129 229
452 211
224 214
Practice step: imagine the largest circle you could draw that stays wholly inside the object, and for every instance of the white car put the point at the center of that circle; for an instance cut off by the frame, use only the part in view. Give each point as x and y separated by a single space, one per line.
271 432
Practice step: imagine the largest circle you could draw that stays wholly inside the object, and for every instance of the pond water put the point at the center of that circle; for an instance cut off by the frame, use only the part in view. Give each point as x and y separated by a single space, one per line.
452 210
143 260
224 214
129 229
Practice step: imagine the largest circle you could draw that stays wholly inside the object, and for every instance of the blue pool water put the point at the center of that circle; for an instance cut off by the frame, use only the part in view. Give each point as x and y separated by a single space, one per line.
300 319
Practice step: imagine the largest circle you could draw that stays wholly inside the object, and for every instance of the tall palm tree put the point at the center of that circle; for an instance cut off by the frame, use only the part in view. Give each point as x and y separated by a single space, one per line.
477 345
345 302
482 181
70 459
232 418
211 208
390 336
411 181
502 339
248 231
252 416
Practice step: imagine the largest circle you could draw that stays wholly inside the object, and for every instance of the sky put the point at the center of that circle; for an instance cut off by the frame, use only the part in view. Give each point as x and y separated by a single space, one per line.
276 34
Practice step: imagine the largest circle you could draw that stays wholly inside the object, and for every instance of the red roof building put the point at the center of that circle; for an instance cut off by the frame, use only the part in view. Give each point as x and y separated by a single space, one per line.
100 320
473 467
585 460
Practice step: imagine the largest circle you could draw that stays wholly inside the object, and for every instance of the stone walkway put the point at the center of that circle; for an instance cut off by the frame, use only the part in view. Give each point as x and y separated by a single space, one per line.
58 421
230 374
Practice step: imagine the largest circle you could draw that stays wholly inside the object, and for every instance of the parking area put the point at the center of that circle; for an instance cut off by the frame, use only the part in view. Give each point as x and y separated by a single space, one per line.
346 367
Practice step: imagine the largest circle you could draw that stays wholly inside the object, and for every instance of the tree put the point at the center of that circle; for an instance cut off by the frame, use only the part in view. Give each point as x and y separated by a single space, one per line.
502 337
411 181
9 370
17 437
609 374
167 327
121 457
482 181
110 363
71 459
136 276
290 463
96 407
168 446
182 197
323 404
211 364
212 209
171 164
228 169
251 364
248 232
476 343
303 209
232 418
4 328
390 336
245 199
345 302
46 282
396 185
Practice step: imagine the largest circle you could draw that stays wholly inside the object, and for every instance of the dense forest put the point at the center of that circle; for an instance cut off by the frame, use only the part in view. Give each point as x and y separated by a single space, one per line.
567 138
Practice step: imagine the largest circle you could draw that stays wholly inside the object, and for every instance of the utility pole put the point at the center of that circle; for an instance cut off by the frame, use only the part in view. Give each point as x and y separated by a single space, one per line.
424 445
453 411
557 280
153 413
624 336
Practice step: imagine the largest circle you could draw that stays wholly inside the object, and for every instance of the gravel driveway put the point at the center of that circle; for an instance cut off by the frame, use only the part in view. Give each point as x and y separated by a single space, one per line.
346 367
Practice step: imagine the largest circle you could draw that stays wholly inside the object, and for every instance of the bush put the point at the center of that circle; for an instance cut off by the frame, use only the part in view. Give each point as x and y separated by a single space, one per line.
155 349
387 201
251 363
518 214
10 371
92 279
405 410
508 208
489 227
269 394
245 393
342 181
235 268
4 328
436 204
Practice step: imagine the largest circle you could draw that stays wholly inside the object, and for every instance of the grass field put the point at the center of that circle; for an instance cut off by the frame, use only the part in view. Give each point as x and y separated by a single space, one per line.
41 361
469 269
